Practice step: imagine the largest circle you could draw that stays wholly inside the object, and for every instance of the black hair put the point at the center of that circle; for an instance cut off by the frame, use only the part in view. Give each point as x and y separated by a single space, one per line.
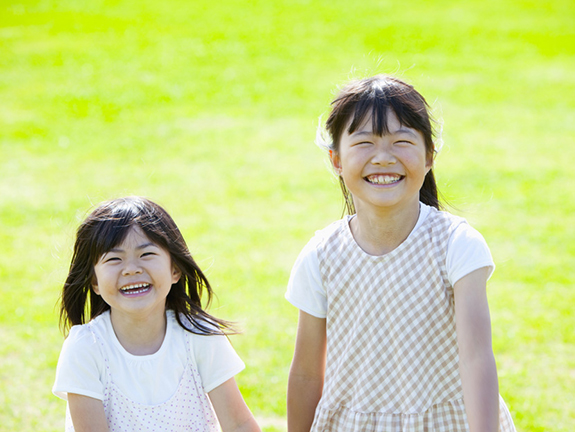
373 97
105 228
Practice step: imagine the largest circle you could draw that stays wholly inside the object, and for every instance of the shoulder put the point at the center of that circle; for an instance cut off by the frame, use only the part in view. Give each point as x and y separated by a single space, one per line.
209 345
305 286
460 232
333 228
332 232
213 355
463 247
442 226
467 251
88 342
80 365
307 260
81 338
465 235
440 219
321 239
192 326
199 343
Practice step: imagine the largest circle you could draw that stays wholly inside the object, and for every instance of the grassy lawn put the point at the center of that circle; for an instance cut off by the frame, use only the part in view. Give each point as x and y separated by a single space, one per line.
210 108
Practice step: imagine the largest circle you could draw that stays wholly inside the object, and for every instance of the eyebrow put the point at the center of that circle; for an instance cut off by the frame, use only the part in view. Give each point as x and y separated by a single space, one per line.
361 133
396 132
142 246
405 131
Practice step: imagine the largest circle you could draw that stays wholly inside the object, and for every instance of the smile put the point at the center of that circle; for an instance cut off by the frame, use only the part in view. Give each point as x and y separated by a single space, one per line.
135 288
383 178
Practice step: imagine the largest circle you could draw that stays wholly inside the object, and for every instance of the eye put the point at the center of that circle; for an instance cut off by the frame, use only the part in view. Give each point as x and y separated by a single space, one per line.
148 254
111 259
362 143
403 142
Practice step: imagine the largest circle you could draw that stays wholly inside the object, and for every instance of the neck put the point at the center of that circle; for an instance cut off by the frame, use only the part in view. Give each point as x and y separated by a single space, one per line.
142 335
380 232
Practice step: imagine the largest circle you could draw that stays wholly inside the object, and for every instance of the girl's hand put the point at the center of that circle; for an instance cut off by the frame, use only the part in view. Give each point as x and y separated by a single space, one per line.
305 385
476 361
231 410
87 413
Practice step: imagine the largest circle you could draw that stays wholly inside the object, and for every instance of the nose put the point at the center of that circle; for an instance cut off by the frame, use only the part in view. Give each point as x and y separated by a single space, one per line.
131 267
383 155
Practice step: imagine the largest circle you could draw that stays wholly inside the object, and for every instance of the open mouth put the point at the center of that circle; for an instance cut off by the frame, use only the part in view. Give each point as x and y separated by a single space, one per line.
383 179
135 288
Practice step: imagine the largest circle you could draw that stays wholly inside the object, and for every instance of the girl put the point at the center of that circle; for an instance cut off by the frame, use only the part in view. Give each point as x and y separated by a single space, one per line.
142 353
394 330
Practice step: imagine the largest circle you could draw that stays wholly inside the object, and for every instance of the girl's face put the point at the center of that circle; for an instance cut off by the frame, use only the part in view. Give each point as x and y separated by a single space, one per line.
135 277
382 172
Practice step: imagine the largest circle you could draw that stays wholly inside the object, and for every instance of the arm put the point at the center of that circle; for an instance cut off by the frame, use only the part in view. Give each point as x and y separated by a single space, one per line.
87 413
233 413
476 361
305 384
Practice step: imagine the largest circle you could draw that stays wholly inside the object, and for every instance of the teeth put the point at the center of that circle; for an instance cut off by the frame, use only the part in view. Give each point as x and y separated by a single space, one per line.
383 179
145 286
138 291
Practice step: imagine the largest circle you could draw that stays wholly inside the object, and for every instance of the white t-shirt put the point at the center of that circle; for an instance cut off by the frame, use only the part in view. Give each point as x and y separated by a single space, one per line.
466 251
149 379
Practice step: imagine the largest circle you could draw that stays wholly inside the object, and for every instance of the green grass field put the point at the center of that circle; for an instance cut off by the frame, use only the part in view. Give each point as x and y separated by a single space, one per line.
210 108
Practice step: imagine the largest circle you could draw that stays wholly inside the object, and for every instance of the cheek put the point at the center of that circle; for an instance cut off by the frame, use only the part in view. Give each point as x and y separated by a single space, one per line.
352 160
418 161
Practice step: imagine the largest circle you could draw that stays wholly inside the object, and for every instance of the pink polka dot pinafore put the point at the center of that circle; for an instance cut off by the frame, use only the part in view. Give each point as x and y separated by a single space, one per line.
187 410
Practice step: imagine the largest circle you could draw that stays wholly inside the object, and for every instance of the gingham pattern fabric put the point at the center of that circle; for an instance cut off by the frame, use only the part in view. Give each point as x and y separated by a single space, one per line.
392 357
187 410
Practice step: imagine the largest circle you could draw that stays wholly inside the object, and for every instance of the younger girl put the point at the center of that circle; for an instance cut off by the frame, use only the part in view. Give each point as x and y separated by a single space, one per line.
142 353
394 330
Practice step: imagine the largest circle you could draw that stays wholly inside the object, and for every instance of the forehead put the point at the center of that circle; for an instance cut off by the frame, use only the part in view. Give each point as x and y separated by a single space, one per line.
135 236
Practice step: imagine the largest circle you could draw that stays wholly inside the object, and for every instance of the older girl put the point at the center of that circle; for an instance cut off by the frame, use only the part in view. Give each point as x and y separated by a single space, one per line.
394 330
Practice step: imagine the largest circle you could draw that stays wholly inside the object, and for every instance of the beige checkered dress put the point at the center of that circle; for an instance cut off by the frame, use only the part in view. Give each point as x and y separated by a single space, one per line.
392 357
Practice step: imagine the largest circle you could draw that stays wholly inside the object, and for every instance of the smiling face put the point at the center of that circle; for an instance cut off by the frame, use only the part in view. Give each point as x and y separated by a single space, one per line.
382 172
135 277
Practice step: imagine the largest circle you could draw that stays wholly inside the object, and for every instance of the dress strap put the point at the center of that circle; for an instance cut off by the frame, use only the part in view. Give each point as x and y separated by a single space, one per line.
104 355
189 356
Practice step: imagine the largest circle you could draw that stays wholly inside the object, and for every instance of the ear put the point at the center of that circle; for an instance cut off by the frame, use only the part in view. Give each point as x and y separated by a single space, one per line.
176 274
335 161
95 285
428 163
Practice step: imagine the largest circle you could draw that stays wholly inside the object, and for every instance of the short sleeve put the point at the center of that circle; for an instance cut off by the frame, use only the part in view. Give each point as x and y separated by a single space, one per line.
216 360
80 366
305 289
467 251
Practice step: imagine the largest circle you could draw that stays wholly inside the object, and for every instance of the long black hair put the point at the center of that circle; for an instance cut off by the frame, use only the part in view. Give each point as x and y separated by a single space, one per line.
105 228
375 96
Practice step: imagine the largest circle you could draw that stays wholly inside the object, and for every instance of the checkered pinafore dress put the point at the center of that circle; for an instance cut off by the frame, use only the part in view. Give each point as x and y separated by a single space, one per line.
392 357
187 410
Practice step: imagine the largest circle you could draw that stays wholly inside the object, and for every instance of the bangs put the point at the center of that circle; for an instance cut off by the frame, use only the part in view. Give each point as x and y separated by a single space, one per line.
376 105
111 223
373 98
108 234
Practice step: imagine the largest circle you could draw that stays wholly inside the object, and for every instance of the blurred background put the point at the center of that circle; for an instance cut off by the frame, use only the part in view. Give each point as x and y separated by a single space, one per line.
210 109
